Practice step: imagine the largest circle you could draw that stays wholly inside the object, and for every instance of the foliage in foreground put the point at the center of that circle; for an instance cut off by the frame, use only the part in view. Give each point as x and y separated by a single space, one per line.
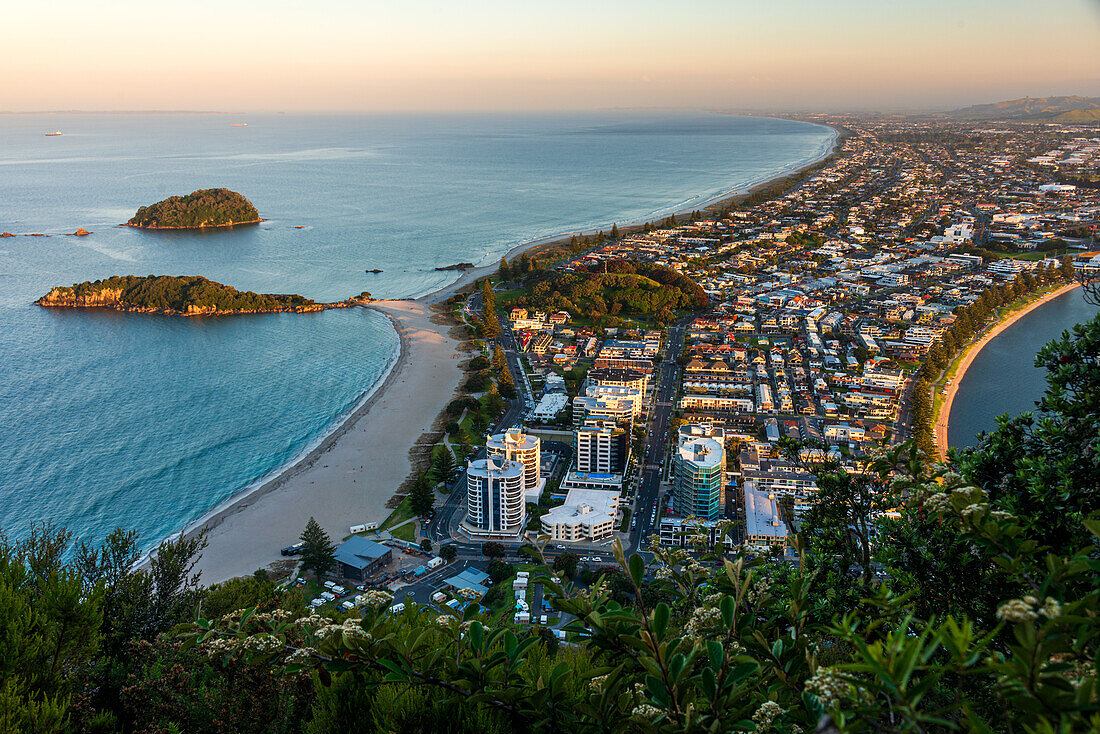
972 607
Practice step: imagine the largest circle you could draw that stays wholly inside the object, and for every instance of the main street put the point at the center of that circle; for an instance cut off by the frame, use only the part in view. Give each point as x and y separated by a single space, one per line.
650 463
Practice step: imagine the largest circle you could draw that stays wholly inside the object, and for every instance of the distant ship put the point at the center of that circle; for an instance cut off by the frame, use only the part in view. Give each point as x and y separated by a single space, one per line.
238 124
55 132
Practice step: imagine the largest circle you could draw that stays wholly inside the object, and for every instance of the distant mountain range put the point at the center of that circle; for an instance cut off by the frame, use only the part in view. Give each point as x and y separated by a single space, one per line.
1038 109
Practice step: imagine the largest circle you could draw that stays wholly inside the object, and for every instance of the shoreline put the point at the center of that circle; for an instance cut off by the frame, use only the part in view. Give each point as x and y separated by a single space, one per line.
233 534
349 477
702 202
943 417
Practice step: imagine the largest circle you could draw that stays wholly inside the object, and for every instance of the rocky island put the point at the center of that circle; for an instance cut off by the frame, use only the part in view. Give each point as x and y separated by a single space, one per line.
202 209
186 295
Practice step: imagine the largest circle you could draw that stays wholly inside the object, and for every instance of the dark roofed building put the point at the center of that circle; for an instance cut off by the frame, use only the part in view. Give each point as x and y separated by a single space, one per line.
359 557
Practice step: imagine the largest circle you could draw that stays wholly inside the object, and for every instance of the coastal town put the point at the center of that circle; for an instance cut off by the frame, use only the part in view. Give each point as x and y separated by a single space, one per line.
840 303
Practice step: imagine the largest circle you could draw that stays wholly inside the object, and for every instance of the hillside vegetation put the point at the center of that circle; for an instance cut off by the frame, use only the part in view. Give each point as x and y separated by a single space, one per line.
1045 109
169 293
626 289
197 210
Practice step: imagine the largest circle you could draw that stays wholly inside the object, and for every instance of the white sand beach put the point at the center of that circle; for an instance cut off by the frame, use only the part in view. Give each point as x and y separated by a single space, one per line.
350 476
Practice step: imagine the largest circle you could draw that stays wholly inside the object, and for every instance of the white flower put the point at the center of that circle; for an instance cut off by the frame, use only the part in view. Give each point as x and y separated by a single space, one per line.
262 643
596 684
647 710
827 686
1016 610
766 714
1051 608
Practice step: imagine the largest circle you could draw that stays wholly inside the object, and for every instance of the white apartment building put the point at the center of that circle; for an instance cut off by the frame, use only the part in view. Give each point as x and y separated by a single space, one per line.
522 448
618 392
588 514
716 402
494 498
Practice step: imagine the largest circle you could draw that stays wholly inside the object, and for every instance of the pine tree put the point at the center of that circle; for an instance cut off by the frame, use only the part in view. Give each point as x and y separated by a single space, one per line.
524 264
446 468
422 498
504 272
490 326
318 552
506 384
500 361
1067 271
488 297
614 231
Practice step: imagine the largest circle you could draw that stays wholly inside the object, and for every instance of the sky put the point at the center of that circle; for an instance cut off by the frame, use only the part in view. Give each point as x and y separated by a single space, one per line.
362 55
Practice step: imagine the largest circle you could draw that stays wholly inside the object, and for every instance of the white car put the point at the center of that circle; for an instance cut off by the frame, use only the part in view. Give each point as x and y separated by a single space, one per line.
560 547
597 559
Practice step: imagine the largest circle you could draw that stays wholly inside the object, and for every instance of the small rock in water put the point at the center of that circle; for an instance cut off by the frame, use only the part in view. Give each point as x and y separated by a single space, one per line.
81 232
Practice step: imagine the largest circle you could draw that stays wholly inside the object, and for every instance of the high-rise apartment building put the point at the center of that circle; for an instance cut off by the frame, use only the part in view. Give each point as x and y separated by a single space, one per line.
494 497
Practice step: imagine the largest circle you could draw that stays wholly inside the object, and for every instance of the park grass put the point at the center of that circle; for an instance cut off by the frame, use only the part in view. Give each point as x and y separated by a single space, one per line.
400 514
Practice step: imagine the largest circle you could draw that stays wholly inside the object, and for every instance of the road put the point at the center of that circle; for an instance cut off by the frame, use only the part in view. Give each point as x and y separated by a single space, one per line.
663 403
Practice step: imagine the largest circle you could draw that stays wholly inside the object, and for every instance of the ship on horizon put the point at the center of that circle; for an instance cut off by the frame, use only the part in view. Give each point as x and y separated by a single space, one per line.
54 133
238 124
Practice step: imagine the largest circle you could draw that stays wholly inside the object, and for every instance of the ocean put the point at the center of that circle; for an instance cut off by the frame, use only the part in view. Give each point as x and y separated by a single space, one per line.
1003 378
147 422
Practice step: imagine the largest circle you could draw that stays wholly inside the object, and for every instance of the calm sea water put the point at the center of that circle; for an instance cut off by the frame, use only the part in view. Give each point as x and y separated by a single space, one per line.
1003 378
147 422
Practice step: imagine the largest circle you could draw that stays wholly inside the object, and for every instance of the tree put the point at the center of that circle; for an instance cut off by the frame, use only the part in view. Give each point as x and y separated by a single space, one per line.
488 297
504 271
524 264
500 360
318 552
614 231
566 563
492 549
426 545
500 571
506 385
479 363
448 552
490 324
421 496
446 468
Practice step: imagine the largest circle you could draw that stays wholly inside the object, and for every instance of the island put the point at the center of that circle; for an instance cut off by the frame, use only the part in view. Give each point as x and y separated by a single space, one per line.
457 266
186 295
202 209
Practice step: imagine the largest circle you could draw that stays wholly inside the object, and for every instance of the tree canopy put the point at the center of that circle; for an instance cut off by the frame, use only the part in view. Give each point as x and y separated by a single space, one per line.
199 209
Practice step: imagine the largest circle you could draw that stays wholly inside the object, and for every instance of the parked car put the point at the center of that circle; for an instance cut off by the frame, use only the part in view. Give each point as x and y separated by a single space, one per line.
293 550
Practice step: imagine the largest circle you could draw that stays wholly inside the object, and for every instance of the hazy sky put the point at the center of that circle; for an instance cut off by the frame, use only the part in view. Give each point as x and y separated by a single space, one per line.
556 54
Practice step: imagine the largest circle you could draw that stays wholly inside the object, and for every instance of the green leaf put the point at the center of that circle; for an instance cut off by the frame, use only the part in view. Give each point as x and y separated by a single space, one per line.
717 654
660 620
637 569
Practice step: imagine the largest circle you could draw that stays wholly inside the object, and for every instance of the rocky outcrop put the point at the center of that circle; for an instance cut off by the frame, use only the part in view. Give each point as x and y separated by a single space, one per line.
67 298
6 234
458 266
80 232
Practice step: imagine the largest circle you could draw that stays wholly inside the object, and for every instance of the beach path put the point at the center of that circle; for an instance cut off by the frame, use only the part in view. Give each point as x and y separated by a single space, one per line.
349 478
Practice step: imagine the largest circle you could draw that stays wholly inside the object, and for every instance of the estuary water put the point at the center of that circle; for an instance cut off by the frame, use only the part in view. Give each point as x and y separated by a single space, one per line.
147 422
1003 378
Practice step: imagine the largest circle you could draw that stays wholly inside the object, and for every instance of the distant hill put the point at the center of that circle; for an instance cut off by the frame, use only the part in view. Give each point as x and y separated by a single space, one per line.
1037 109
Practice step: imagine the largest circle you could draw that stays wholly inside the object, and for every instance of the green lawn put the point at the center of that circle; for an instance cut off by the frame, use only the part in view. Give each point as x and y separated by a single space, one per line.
403 512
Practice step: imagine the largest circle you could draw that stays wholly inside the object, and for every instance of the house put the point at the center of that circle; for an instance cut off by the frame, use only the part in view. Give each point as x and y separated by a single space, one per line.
359 557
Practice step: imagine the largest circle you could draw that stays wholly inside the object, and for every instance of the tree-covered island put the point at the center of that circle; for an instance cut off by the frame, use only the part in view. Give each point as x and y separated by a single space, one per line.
200 209
184 295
